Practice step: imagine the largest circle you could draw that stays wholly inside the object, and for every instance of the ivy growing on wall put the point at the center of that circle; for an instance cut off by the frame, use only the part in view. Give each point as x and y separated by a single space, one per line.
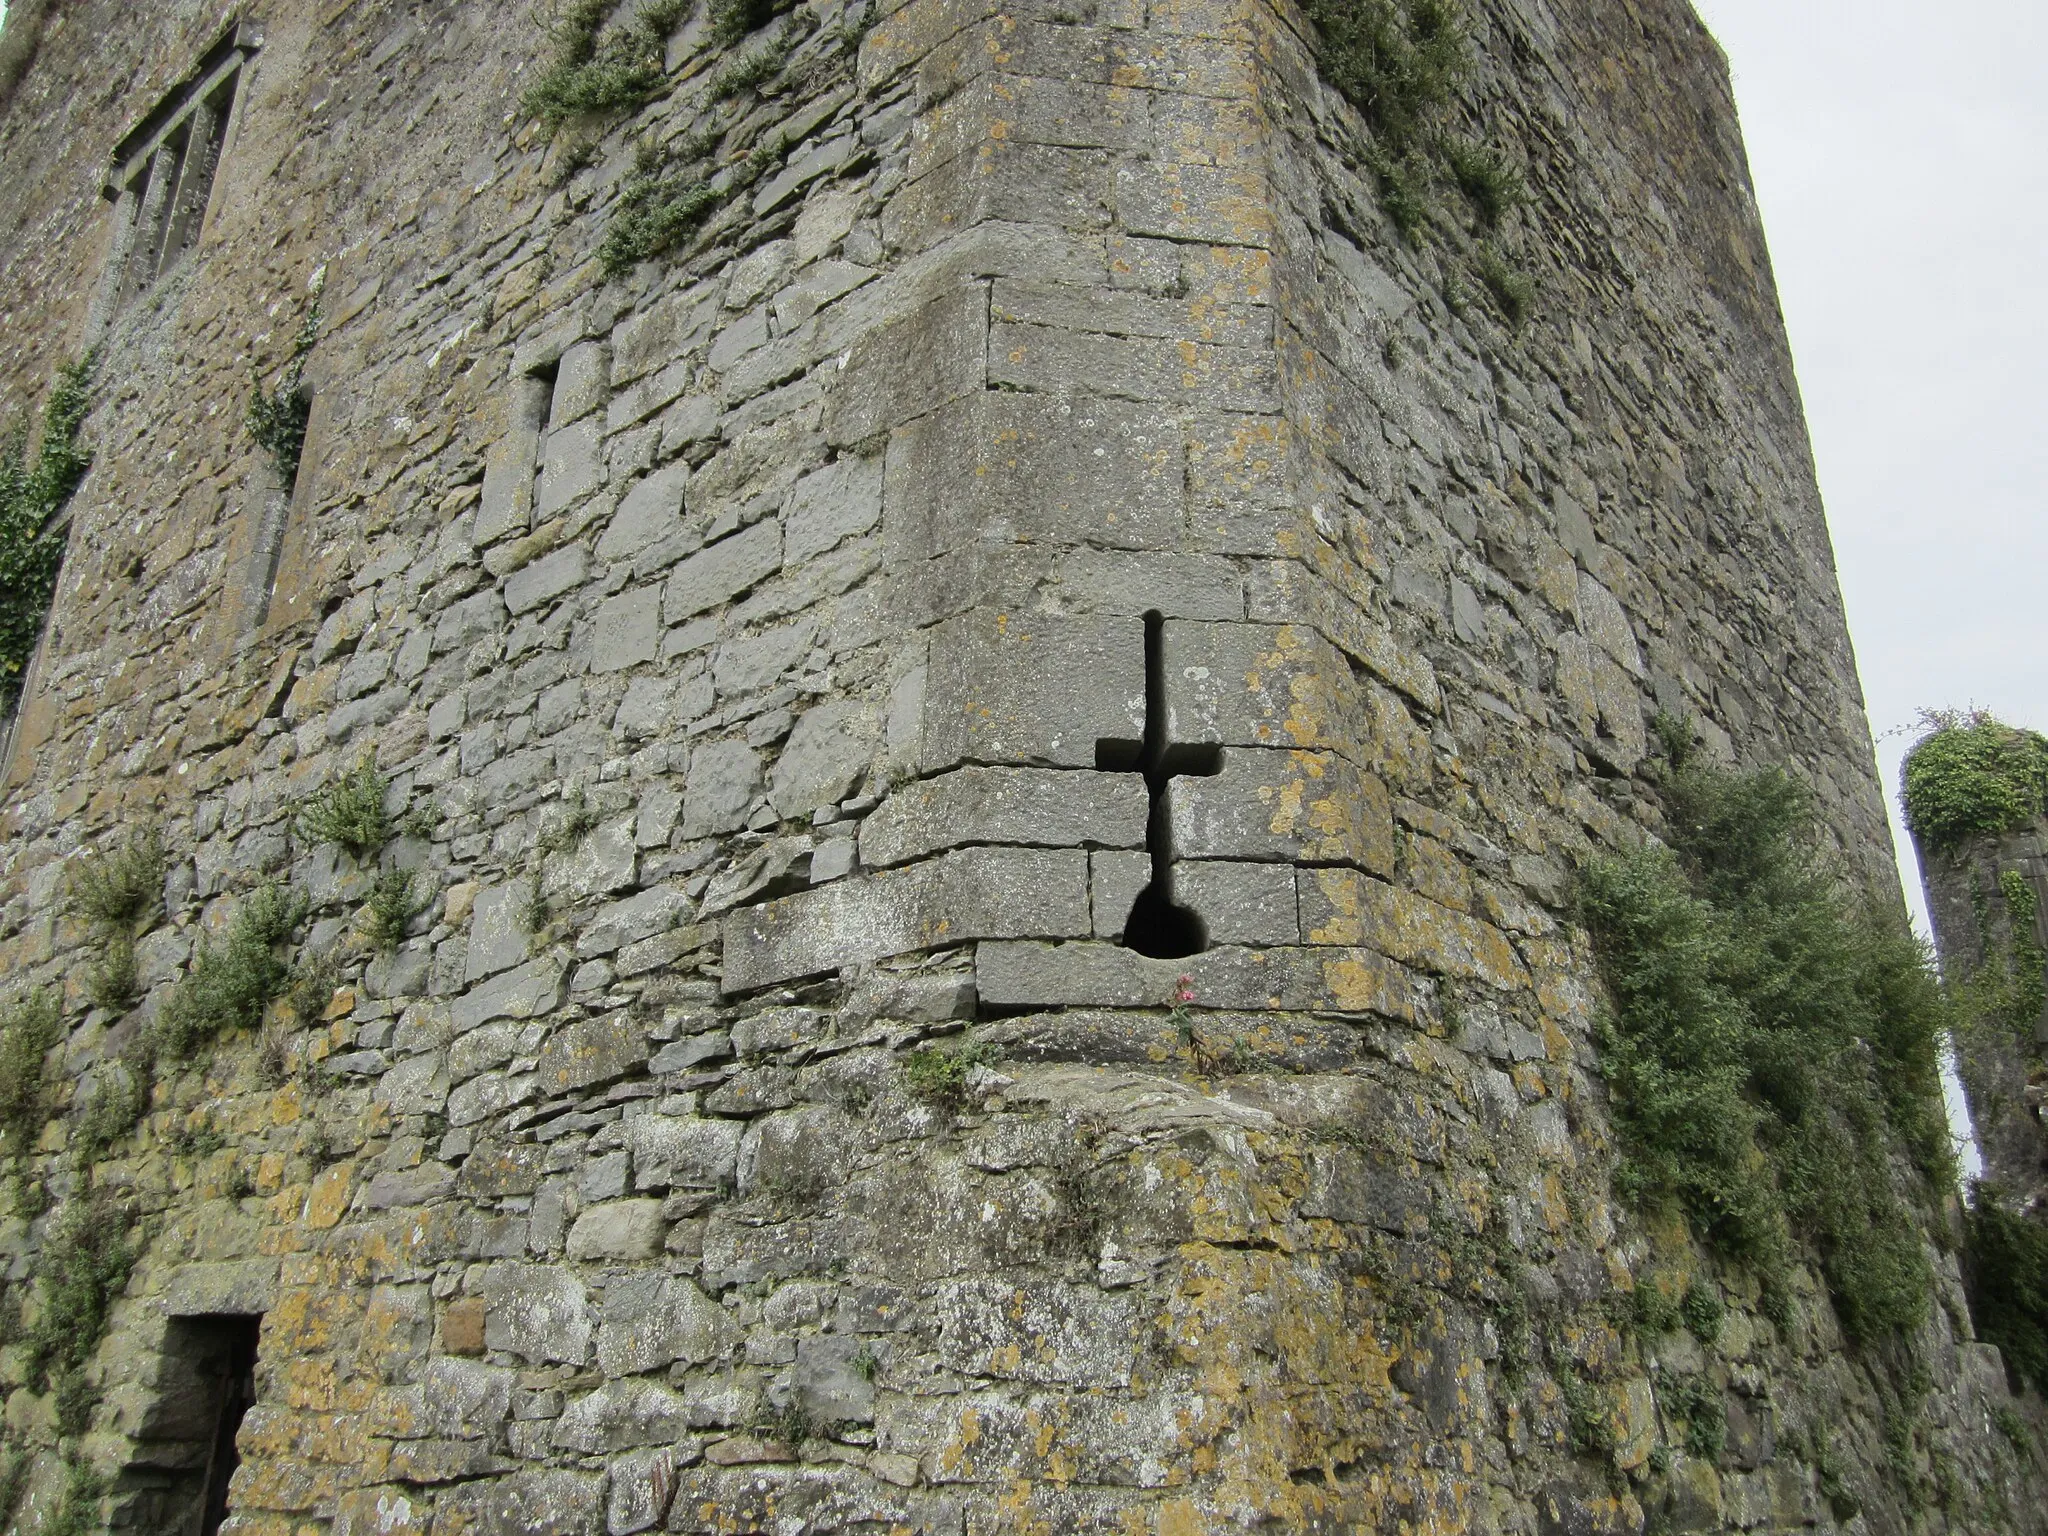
1971 776
1771 1044
277 417
33 497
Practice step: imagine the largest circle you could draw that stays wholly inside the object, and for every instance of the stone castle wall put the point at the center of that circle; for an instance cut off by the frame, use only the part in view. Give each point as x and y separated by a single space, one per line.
778 635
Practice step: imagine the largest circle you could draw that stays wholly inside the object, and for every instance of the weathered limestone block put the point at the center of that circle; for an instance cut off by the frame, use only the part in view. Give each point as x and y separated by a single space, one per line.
1284 807
618 1230
1341 907
1036 469
592 1051
1030 806
1256 685
537 1311
1349 980
1031 689
967 894
901 371
651 1321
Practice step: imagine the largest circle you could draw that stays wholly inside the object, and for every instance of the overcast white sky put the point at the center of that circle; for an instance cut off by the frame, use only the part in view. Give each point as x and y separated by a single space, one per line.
1900 152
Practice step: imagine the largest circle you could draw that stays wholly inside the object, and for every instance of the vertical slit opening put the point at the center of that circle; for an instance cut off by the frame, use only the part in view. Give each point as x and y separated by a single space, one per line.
1158 925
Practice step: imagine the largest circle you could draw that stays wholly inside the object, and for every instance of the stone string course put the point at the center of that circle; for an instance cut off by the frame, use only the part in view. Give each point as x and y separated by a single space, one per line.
757 670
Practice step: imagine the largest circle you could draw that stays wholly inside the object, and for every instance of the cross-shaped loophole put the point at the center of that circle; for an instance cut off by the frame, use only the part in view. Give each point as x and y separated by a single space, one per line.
1158 925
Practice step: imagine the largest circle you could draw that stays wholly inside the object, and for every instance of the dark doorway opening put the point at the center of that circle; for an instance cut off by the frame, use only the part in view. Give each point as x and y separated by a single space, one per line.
185 1453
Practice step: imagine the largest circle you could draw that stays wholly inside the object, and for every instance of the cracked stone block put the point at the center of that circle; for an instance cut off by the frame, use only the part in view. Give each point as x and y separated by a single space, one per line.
904 369
581 377
639 916
720 787
626 631
605 859
827 1382
1281 807
827 753
653 1320
1040 1331
1045 469
466 1399
838 502
1370 1188
968 894
533 586
592 1051
571 466
720 572
528 992
1056 808
496 932
1115 880
651 510
1032 689
536 1311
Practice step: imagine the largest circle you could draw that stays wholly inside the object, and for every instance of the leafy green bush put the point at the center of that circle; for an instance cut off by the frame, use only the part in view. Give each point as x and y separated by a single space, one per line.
1973 776
78 1506
350 813
119 891
1484 175
228 985
2005 1267
32 499
118 1099
120 887
598 70
28 1030
84 1265
658 210
1696 1403
1770 1043
1513 291
395 900
732 20
1398 61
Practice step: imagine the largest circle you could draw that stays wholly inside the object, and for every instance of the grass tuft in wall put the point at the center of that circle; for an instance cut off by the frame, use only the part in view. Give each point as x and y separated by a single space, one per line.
600 69
1771 1044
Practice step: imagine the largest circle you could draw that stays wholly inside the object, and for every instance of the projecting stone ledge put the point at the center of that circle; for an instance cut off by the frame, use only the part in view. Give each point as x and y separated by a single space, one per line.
972 893
1025 974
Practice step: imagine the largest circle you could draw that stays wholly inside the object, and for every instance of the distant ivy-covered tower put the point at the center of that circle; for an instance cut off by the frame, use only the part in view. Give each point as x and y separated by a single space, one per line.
819 767
1976 797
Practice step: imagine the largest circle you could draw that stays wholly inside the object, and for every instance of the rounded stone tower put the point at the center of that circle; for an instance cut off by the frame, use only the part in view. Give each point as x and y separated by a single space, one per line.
818 768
